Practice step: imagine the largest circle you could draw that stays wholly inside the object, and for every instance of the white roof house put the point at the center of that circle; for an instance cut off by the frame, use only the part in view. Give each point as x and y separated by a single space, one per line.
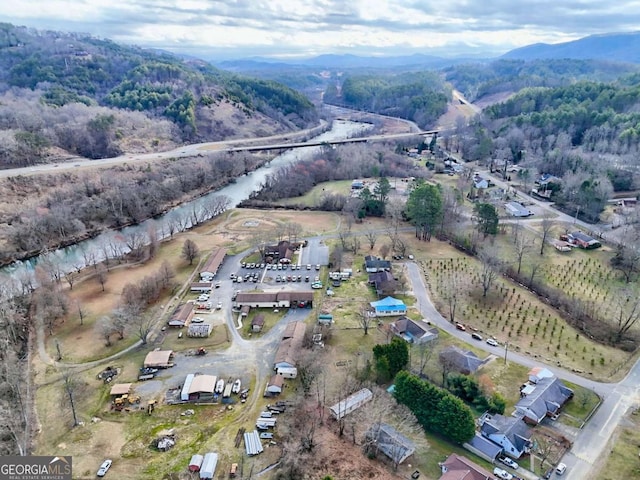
516 209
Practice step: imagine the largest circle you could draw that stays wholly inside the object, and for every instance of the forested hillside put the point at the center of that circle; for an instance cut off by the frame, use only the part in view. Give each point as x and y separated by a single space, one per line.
95 98
481 79
585 134
420 97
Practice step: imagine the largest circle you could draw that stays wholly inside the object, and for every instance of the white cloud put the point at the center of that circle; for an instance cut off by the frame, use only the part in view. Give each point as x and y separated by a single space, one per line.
247 27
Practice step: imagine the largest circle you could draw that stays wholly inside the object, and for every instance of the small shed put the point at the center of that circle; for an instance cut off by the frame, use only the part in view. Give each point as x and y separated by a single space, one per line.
195 463
325 319
208 467
257 323
120 389
244 310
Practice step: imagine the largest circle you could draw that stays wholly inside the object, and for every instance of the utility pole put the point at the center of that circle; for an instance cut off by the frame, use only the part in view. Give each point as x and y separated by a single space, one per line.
575 220
506 350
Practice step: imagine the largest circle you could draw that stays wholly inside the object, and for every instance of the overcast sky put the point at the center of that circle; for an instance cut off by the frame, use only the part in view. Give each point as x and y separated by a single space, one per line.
244 28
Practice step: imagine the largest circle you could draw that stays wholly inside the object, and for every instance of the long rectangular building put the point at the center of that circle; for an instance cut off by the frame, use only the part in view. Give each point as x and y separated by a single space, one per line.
211 266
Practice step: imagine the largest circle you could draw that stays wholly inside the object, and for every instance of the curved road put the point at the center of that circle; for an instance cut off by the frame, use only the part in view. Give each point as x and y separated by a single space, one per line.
592 440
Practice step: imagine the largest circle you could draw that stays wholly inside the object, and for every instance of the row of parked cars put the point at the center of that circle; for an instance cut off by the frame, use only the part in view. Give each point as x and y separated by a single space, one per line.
248 277
291 278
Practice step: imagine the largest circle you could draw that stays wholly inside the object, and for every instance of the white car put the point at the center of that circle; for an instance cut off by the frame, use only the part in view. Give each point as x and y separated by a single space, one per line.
219 306
500 473
492 342
104 468
561 468
203 297
509 463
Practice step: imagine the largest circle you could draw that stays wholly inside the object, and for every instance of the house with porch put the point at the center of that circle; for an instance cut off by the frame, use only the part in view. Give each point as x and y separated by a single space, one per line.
511 433
413 332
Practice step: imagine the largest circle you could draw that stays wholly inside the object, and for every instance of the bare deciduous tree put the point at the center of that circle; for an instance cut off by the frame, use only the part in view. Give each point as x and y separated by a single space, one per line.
547 227
101 276
365 317
489 268
190 251
71 386
372 238
522 246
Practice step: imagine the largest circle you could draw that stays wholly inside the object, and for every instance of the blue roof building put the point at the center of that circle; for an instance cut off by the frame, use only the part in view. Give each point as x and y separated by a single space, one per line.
389 307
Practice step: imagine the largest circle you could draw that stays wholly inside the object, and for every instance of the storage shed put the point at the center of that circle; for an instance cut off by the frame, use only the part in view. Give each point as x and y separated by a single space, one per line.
209 464
351 403
120 389
274 387
159 359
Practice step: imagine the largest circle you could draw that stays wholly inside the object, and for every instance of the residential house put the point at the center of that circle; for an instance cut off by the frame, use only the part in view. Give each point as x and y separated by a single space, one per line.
373 264
511 433
483 447
583 240
542 399
389 307
413 332
516 209
182 315
388 441
457 467
461 361
383 282
257 323
543 186
480 183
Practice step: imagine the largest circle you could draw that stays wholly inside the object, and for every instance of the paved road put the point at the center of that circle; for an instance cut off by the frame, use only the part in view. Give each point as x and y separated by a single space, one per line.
590 444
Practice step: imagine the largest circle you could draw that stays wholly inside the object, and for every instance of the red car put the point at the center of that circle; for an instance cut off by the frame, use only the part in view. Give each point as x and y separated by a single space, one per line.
460 326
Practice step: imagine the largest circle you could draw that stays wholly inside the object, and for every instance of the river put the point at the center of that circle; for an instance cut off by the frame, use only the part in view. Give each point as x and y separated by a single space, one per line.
83 253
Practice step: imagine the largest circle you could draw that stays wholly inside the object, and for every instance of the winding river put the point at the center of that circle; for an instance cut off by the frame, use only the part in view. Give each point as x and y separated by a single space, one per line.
76 256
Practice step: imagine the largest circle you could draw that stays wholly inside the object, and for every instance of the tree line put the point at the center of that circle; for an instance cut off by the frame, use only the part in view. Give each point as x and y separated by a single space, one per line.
78 205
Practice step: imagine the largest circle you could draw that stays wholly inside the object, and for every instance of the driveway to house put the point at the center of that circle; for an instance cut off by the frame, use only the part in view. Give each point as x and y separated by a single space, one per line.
592 440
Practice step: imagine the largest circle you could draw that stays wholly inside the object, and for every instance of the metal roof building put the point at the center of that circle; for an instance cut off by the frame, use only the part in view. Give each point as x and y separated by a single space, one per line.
516 209
208 467
351 403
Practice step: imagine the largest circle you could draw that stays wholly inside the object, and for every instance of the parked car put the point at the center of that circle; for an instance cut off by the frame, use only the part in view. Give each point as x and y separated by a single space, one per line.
278 278
503 474
306 278
104 468
476 336
509 462
561 468
308 266
219 306
318 267
203 297
492 342
197 320
460 326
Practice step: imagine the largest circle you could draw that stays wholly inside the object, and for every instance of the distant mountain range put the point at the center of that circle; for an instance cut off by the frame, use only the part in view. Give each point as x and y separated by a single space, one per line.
616 47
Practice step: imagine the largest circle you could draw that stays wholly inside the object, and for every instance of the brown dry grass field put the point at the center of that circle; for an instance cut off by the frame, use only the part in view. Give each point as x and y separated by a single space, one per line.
623 460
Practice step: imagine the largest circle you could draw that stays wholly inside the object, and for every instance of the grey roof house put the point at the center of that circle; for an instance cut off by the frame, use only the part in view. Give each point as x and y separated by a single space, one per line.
511 433
463 361
390 442
542 399
374 264
483 447
413 332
